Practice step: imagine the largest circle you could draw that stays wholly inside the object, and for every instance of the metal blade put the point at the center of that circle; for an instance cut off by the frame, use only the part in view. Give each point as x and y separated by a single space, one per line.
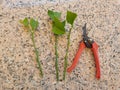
84 31
88 41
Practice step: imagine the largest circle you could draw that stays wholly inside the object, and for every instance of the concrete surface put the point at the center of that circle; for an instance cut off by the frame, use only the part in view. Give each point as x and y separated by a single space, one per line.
18 70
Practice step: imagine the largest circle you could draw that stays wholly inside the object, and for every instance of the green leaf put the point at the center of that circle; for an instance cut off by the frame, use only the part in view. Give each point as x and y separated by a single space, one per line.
25 22
57 31
71 17
64 23
59 24
53 14
33 24
58 27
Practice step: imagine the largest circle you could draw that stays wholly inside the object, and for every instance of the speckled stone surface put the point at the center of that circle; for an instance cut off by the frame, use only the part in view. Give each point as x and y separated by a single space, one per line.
18 69
24 3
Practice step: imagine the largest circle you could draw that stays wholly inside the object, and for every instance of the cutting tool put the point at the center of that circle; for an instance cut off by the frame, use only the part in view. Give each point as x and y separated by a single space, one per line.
89 43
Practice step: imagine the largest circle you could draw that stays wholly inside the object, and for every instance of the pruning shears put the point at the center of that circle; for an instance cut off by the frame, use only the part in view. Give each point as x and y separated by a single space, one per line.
89 43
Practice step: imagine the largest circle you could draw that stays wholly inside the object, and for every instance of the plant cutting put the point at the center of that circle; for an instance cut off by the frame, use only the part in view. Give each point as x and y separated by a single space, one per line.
31 25
58 28
70 18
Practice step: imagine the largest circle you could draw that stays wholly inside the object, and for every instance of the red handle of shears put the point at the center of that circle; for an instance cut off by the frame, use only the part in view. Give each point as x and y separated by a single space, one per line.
75 61
95 52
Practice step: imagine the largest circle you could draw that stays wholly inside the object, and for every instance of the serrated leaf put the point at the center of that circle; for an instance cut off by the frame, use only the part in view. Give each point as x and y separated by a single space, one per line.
58 26
53 14
57 31
33 24
25 22
71 17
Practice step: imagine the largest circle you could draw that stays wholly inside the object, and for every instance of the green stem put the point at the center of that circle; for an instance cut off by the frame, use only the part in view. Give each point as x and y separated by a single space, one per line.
66 55
37 54
56 58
